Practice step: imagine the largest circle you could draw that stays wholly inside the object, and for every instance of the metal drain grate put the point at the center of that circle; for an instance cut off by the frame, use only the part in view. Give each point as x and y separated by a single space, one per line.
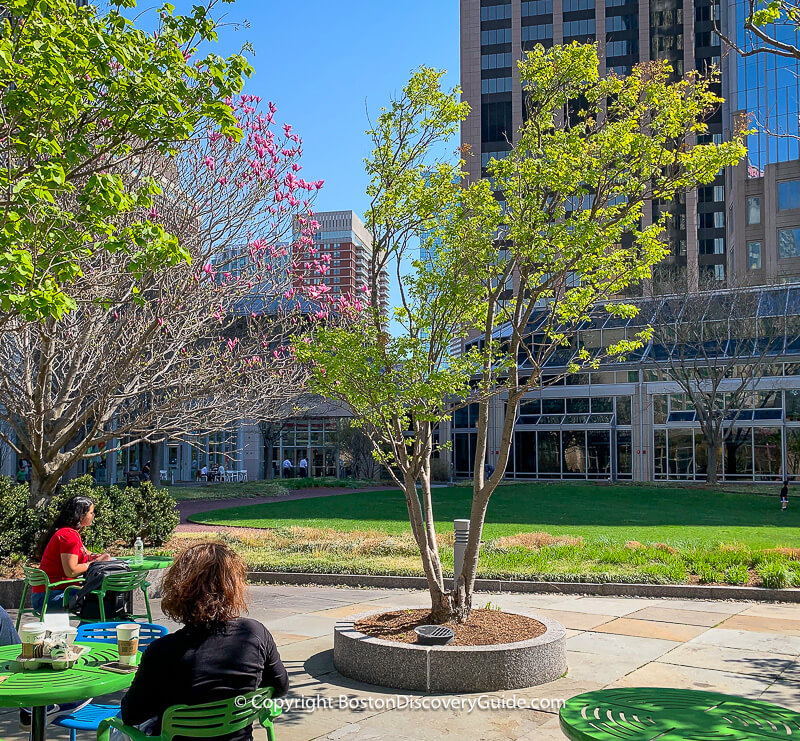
434 635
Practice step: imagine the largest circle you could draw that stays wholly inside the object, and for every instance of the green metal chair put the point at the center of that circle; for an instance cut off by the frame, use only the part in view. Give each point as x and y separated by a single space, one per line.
125 582
37 578
208 720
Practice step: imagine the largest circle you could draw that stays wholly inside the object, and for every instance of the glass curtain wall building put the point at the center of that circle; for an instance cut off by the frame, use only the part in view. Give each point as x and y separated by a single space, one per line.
495 34
631 420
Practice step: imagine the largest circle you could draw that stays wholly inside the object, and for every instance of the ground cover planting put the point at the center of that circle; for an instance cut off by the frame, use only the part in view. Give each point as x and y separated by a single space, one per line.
557 531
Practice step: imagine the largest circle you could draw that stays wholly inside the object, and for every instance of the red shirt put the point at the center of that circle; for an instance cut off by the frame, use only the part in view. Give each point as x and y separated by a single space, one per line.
65 540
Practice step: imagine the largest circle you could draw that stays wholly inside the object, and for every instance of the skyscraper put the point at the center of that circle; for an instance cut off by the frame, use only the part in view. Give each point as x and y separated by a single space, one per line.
706 232
343 236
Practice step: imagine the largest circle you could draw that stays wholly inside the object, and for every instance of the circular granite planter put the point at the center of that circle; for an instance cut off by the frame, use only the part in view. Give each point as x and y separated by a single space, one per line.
407 666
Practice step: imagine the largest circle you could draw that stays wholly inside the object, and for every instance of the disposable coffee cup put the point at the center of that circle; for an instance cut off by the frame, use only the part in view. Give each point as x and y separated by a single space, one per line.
31 634
127 642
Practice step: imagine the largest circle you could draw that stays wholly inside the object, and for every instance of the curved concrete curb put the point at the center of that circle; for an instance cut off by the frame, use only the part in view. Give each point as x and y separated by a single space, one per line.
407 666
679 591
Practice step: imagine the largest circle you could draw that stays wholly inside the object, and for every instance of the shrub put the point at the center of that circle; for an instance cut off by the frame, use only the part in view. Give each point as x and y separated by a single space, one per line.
440 469
153 513
120 515
708 574
737 574
19 523
775 575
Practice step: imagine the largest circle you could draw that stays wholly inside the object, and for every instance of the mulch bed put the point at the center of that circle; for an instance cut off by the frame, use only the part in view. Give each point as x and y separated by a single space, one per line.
484 627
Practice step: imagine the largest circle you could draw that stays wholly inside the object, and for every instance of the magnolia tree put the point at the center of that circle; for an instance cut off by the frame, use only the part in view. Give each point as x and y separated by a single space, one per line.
190 347
591 154
85 97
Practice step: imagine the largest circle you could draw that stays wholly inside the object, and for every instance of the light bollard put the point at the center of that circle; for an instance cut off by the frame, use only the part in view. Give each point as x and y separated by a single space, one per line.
461 528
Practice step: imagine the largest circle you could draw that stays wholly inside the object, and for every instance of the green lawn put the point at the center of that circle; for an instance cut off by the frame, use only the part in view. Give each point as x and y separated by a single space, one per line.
274 488
598 512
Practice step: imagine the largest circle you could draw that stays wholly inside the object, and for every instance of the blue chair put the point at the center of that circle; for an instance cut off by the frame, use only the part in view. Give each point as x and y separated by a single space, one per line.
89 717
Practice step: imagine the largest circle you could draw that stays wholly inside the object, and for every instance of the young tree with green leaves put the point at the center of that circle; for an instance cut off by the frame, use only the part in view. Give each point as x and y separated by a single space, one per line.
518 278
86 96
591 155
399 386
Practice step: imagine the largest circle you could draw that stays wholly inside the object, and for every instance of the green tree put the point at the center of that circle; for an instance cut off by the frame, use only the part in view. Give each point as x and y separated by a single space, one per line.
568 237
86 96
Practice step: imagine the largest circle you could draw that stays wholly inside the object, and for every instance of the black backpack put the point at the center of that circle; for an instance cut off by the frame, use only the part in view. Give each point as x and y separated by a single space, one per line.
86 606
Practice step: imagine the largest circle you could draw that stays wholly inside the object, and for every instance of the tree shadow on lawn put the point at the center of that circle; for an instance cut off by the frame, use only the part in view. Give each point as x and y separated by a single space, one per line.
558 504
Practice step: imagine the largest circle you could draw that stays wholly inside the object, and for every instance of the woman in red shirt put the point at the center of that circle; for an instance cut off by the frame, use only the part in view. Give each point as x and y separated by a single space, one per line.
65 556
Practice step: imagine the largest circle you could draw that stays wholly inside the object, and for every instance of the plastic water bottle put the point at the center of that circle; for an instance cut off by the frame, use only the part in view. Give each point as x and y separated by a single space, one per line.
138 550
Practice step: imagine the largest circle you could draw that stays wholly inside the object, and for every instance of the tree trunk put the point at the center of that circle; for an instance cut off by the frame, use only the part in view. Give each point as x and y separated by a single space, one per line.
441 604
155 463
42 488
712 469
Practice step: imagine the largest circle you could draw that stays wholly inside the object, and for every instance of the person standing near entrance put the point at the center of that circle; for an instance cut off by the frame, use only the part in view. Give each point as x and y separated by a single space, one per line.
287 469
303 466
785 495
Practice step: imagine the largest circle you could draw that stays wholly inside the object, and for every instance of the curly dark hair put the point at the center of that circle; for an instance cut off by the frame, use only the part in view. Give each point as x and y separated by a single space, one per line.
205 585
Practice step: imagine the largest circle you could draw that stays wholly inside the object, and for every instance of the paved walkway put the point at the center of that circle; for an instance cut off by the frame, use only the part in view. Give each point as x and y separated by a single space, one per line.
740 648
191 507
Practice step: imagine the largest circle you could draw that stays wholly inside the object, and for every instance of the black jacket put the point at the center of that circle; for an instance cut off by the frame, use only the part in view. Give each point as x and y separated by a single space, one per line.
200 664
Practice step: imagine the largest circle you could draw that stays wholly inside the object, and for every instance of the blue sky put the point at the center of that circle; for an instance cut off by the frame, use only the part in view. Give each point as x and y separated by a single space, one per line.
321 62
324 63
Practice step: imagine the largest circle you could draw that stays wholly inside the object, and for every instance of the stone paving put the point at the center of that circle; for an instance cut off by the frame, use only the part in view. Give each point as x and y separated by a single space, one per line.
743 648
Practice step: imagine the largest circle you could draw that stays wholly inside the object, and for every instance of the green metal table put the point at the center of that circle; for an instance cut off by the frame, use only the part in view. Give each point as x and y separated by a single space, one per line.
150 563
39 688
648 713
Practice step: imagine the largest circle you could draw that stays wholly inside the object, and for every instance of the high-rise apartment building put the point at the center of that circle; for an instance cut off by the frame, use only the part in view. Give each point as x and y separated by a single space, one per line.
746 224
343 236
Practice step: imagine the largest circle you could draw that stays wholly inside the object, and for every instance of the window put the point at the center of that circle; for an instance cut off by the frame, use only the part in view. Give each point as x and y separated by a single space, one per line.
705 221
754 255
496 85
719 219
754 210
496 12
496 36
584 27
660 18
788 195
667 43
788 243
573 5
537 33
719 246
719 193
622 48
707 38
487 156
622 23
496 122
623 70
537 7
495 61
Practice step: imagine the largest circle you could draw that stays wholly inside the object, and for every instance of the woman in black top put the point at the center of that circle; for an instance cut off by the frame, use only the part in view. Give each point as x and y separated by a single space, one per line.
217 654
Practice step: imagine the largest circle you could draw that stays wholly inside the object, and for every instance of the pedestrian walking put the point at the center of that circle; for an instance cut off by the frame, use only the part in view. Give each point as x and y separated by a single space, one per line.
287 469
785 495
303 466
